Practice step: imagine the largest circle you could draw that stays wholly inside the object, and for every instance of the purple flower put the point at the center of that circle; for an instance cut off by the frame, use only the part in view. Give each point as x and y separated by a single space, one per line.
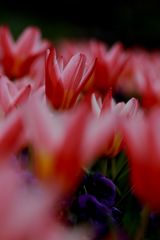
88 208
101 187
94 204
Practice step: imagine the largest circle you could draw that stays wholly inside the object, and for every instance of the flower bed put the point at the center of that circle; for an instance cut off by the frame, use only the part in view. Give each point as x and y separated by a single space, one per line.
79 139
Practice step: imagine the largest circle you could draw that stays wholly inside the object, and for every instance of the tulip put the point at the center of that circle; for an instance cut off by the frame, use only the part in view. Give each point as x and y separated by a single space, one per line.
107 106
65 83
110 61
12 135
10 96
17 56
65 142
142 147
140 77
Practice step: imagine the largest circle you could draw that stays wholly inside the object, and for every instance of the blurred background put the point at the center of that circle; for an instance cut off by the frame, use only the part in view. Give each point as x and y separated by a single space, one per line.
131 22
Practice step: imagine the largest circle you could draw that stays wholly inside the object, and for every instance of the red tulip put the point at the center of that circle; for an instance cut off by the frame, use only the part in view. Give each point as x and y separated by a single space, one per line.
110 61
65 83
140 77
64 142
17 57
143 148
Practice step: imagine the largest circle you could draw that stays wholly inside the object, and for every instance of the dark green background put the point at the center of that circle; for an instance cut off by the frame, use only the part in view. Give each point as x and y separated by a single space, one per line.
131 22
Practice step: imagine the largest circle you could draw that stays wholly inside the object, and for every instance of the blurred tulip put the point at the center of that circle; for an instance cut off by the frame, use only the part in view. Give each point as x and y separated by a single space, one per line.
142 142
12 135
17 57
107 106
140 77
10 96
64 143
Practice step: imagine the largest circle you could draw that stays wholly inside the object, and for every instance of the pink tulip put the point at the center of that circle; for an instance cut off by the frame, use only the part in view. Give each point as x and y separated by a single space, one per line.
10 96
12 135
102 108
24 211
101 105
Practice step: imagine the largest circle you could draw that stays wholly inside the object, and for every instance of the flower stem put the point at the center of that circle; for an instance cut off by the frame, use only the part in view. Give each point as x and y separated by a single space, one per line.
113 168
143 225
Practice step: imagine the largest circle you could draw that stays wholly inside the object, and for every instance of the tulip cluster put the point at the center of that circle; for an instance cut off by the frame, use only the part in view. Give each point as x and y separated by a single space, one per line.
79 139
